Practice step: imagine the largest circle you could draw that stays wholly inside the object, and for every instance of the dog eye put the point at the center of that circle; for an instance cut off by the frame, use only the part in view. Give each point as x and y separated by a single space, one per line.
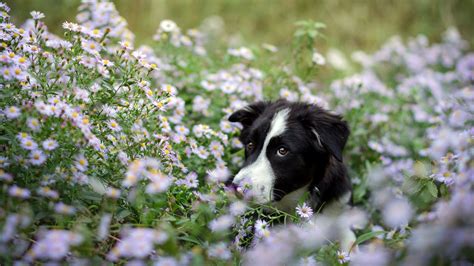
250 146
282 151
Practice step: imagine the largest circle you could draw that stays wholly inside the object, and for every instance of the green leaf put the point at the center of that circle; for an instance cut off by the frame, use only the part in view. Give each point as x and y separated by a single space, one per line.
411 185
122 214
189 239
432 189
367 236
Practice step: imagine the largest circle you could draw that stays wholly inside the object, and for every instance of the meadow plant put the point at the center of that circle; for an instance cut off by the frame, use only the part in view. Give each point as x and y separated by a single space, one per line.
117 153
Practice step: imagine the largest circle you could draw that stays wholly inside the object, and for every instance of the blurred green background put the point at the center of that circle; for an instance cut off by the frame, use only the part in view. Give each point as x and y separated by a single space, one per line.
352 25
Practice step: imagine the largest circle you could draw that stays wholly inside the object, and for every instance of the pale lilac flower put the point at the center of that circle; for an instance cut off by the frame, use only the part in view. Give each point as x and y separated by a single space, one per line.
216 149
237 208
37 157
72 26
182 130
304 211
397 212
221 223
12 112
19 192
123 157
136 243
236 143
48 192
226 126
104 226
50 144
62 208
21 136
242 52
370 255
113 193
168 26
465 67
126 45
169 89
291 96
28 144
190 181
201 105
458 118
36 15
159 183
201 152
4 162
91 46
261 229
343 257
9 227
114 126
53 245
33 123
219 174
337 59
307 261
219 251
167 261
318 59
81 163
5 176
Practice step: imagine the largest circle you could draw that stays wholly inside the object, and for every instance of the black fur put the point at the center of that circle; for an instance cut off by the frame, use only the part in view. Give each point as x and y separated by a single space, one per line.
315 139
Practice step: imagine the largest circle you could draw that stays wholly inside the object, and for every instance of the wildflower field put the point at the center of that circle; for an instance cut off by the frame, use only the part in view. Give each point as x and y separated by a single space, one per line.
112 152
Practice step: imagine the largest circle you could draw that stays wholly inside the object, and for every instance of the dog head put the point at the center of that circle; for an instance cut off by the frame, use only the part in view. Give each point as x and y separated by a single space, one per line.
288 147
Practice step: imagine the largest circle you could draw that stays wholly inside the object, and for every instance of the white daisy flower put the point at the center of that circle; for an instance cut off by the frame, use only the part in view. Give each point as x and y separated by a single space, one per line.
36 15
62 208
168 26
261 228
318 59
28 144
81 163
12 112
182 130
113 193
19 192
50 144
114 126
37 157
342 257
220 251
304 211
33 123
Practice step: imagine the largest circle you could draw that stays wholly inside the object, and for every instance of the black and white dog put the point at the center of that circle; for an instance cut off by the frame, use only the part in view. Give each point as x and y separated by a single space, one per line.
292 148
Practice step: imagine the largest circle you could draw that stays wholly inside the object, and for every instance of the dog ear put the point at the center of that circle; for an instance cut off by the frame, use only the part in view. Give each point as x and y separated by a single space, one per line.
330 131
247 115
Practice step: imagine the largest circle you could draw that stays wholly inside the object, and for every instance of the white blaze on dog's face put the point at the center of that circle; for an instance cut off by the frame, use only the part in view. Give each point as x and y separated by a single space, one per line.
260 173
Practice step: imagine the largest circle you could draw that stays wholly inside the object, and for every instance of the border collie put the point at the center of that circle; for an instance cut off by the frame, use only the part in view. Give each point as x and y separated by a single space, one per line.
292 148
